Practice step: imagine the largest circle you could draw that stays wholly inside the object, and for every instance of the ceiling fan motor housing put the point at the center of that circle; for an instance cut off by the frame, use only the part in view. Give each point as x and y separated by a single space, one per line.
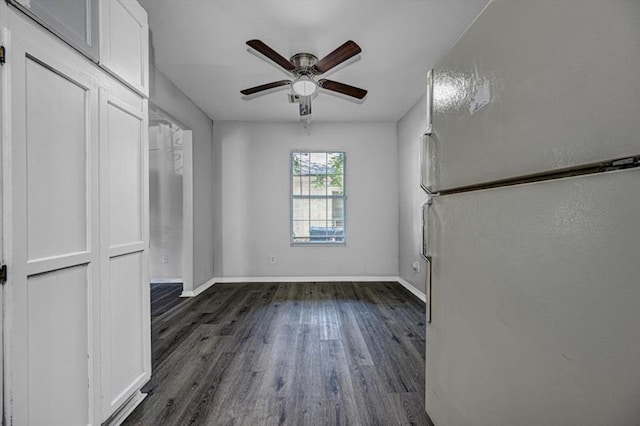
304 63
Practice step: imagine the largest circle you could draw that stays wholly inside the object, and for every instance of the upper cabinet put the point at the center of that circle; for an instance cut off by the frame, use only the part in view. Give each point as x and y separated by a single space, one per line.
76 22
113 33
124 42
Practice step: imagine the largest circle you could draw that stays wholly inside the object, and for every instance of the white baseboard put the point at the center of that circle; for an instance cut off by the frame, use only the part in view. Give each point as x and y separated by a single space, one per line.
304 279
166 280
406 284
203 287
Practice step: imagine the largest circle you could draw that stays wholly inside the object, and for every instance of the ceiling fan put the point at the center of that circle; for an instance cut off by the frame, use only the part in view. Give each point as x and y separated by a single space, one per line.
305 67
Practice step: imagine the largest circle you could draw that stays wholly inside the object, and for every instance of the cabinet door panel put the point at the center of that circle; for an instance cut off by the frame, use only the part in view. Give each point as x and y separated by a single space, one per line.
125 176
126 292
125 55
56 167
75 21
124 42
58 330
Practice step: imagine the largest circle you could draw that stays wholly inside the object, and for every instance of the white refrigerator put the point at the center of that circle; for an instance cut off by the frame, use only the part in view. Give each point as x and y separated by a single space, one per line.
532 228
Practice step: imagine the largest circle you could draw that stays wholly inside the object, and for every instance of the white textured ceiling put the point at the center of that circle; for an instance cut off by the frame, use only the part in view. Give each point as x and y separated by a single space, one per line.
200 46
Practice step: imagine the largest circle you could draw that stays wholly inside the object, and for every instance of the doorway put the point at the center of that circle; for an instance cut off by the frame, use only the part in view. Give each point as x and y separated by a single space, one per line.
170 200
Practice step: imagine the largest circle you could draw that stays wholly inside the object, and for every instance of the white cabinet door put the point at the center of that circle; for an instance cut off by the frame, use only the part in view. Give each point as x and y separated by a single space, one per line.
50 150
124 244
74 21
124 42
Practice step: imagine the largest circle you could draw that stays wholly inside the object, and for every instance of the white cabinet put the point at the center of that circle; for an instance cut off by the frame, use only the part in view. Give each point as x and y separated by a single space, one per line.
124 42
114 33
124 243
76 240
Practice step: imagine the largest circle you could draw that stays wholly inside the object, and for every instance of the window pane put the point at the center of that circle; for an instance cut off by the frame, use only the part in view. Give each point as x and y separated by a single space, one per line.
300 209
304 185
296 163
335 185
301 230
300 163
300 184
318 185
335 182
337 211
296 185
318 209
318 231
318 163
322 231
335 156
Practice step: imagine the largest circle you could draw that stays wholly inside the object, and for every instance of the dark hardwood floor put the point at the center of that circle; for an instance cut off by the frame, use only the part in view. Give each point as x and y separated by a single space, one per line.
289 354
164 296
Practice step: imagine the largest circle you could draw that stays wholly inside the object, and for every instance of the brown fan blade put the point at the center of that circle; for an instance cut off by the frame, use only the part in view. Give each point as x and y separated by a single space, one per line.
345 89
259 46
263 87
338 56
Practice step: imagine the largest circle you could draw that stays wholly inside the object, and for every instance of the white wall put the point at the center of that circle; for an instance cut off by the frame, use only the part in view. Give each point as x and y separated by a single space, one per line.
168 97
217 205
410 127
255 193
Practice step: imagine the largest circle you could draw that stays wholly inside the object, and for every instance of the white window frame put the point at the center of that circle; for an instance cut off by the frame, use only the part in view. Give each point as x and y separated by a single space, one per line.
293 197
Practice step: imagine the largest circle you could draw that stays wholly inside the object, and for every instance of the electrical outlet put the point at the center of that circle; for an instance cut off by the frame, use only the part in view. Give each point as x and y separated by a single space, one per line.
273 259
416 266
165 259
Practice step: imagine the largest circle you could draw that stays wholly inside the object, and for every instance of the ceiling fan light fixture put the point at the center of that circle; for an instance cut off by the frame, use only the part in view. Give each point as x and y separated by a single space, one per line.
304 86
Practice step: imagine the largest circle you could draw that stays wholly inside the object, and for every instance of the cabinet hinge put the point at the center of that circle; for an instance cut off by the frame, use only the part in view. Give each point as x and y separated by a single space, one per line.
2 55
3 274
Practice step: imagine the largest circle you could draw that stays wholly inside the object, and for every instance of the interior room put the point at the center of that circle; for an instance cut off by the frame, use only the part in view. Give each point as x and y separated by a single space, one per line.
320 212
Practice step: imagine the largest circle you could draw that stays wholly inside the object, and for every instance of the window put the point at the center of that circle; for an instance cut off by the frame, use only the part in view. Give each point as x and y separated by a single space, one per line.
317 197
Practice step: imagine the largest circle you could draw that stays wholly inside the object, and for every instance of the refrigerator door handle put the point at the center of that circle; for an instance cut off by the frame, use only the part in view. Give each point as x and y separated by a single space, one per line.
429 100
428 290
426 164
424 208
426 253
427 152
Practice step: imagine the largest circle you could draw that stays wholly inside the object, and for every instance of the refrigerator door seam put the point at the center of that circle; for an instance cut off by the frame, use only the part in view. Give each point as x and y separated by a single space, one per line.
587 169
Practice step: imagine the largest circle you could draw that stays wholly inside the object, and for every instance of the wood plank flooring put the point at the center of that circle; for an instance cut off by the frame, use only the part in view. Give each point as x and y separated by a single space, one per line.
289 354
164 296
